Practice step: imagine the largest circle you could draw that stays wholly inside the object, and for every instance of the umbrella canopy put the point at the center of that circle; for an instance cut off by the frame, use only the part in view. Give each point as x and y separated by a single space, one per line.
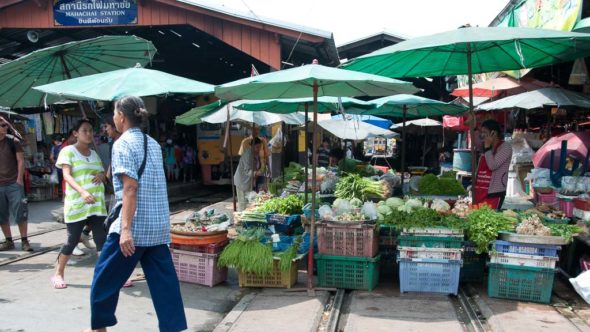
416 107
577 147
70 60
418 123
298 83
217 113
490 48
495 86
370 119
291 105
354 130
540 98
134 81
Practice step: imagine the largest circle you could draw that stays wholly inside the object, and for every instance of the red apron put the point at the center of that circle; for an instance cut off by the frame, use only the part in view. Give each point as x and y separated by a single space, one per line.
482 184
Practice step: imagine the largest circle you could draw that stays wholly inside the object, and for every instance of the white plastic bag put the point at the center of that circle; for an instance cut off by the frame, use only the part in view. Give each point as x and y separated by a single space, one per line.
326 213
369 210
54 179
581 284
276 142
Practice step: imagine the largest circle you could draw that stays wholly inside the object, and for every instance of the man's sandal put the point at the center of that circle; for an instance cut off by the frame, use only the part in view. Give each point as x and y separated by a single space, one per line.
58 282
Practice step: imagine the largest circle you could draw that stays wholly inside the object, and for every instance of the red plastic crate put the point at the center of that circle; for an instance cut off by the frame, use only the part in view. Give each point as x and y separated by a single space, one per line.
356 240
548 199
198 268
567 207
213 248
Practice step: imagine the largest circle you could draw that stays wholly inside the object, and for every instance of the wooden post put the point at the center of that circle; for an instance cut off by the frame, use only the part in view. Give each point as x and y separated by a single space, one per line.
403 165
231 160
313 187
472 125
306 107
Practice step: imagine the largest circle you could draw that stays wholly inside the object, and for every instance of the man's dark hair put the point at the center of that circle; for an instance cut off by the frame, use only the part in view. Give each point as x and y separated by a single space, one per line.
493 125
337 153
255 141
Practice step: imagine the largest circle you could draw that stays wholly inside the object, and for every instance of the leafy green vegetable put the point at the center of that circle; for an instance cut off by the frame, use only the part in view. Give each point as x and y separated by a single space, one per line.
484 225
430 184
247 254
288 255
355 186
292 204
564 230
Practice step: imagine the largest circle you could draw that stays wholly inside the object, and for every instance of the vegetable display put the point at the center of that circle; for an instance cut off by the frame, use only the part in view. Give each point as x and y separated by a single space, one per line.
532 225
287 256
430 184
355 186
247 254
292 204
484 225
565 231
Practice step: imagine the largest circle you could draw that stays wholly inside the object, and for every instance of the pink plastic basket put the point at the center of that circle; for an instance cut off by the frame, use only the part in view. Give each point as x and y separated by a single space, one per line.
567 207
547 199
357 240
198 268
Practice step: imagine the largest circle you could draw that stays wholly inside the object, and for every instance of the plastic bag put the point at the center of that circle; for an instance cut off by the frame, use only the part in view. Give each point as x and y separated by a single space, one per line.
54 179
581 284
568 185
369 210
341 206
521 151
540 173
326 213
251 196
276 142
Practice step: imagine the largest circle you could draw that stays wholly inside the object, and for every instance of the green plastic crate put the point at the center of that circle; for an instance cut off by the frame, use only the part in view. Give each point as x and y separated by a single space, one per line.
430 241
348 272
524 283
473 269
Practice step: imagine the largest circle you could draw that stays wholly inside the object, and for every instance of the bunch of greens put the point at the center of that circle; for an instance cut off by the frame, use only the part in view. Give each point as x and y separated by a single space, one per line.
355 186
484 225
564 230
275 186
292 204
289 255
294 172
430 184
247 254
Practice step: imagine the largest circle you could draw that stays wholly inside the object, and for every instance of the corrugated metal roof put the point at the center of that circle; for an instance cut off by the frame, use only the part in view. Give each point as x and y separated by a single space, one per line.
256 18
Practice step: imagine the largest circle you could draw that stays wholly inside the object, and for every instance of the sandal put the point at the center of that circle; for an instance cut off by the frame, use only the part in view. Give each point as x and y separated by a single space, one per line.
58 282
128 284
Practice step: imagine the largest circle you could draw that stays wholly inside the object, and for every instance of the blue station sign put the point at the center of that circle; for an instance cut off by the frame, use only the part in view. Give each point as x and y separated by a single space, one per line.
94 12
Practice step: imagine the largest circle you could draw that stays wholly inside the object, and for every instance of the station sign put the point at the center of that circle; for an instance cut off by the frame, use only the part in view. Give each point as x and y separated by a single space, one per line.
94 12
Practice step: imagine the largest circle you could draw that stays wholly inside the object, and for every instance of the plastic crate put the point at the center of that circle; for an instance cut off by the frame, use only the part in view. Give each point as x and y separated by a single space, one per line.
388 235
348 272
282 219
523 283
547 199
307 211
523 260
357 240
567 207
198 268
275 279
429 275
547 220
430 241
213 248
429 253
432 231
473 269
526 248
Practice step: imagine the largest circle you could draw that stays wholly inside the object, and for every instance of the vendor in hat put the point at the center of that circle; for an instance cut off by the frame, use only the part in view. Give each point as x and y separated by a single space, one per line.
492 171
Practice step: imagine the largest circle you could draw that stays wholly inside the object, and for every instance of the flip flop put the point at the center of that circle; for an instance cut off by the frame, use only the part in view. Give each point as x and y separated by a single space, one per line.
128 284
58 282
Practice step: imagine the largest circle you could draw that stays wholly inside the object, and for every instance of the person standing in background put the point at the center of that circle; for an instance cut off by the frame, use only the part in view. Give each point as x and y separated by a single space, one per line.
323 154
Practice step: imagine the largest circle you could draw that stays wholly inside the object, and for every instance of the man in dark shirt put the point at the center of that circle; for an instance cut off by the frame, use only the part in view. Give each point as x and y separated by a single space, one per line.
324 154
12 194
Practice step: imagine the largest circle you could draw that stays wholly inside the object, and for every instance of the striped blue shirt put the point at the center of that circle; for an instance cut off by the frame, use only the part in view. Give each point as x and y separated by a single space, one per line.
151 224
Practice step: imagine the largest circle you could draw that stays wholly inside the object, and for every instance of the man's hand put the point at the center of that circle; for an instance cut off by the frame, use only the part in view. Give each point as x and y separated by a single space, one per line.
99 178
88 198
20 182
126 243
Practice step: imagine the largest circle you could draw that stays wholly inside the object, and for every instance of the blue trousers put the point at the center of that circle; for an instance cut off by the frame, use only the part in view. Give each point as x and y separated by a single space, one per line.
113 269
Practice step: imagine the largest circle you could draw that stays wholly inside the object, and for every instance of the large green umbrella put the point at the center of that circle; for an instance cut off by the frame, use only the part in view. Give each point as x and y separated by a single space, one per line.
404 106
473 50
115 84
196 115
67 61
312 81
325 104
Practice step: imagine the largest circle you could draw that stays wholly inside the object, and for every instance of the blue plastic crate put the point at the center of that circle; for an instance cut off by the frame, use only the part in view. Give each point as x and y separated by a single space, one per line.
429 275
527 248
282 219
307 211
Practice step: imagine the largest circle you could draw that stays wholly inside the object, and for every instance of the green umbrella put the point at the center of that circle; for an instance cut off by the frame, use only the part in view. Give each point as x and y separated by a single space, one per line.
405 106
312 81
473 50
195 115
291 105
114 84
67 61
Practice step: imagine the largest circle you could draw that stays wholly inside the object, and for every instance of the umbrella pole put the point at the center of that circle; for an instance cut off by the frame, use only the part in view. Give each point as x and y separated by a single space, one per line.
473 124
305 149
253 157
231 161
69 76
403 165
283 152
313 195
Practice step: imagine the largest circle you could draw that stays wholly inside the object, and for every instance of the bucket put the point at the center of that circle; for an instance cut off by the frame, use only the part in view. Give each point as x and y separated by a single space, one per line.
462 159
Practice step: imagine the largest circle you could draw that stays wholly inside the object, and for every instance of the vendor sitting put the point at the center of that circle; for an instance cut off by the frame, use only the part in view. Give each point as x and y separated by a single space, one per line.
338 159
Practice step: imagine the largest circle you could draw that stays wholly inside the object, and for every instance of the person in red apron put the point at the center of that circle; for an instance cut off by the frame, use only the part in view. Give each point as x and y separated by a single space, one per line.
492 172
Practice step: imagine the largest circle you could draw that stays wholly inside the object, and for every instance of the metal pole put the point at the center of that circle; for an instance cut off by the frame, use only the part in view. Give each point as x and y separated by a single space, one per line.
403 165
253 157
231 161
283 152
313 187
306 107
69 76
473 124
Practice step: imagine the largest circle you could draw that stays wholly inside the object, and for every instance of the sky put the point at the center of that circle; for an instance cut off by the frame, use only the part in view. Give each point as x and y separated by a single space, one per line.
349 20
